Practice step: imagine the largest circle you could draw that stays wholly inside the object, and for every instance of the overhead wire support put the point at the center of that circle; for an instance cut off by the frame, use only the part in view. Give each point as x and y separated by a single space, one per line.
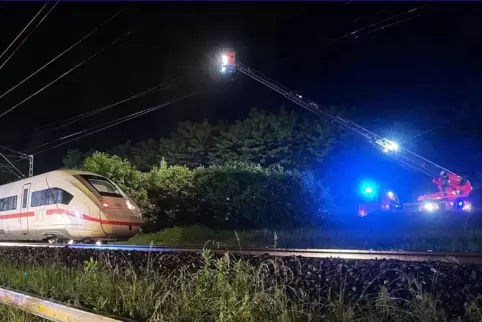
22 156
60 55
19 173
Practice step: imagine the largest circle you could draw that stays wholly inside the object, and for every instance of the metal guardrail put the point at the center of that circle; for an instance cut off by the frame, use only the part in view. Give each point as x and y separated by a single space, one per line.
49 310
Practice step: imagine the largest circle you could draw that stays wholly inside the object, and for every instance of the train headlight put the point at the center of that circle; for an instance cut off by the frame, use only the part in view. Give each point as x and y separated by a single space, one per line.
130 205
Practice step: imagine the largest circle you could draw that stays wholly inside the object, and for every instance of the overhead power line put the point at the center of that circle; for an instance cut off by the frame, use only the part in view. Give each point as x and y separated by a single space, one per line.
79 117
28 35
62 53
66 73
22 156
18 173
385 23
23 30
107 125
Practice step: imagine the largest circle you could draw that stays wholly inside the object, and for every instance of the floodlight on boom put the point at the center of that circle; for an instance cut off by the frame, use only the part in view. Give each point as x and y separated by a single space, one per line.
227 62
224 59
388 145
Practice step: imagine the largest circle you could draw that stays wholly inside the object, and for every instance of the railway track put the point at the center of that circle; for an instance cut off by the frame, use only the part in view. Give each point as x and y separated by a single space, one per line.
412 256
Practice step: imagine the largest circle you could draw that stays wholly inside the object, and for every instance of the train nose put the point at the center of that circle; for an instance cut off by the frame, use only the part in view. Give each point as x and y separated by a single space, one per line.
120 223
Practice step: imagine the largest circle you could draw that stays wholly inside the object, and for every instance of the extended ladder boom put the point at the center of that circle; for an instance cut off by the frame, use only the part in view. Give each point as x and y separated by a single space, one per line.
403 156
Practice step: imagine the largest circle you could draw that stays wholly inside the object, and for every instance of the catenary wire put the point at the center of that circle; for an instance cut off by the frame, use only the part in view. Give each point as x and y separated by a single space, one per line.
65 74
354 34
28 35
13 151
118 121
23 30
63 53
20 174
9 170
79 117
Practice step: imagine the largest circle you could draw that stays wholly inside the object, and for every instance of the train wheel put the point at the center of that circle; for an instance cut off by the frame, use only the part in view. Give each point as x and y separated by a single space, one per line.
52 240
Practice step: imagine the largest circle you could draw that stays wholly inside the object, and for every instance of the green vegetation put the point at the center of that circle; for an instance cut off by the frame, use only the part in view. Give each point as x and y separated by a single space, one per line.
229 175
417 240
234 195
223 289
10 314
287 139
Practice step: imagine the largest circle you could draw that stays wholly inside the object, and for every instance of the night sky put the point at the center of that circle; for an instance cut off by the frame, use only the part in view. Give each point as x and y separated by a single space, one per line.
419 67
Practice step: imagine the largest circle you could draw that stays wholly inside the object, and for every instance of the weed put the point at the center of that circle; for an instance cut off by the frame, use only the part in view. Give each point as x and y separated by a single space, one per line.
233 289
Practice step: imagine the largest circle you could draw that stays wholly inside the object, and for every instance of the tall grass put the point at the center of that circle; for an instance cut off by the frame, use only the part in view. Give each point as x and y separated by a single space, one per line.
224 289
11 314
421 240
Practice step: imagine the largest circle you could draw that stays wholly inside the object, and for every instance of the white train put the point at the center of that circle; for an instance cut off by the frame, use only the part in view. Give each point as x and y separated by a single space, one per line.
67 205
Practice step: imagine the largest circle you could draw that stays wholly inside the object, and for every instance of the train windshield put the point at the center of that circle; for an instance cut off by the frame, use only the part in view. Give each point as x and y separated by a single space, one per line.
103 186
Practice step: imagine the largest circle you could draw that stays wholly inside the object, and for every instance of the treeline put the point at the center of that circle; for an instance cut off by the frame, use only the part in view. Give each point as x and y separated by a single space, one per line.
233 195
269 139
252 173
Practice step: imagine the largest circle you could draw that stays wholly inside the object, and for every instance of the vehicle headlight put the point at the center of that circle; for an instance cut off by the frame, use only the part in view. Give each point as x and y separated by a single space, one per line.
430 206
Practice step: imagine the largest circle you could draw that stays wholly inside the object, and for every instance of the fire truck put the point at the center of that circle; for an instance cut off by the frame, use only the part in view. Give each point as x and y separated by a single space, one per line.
453 190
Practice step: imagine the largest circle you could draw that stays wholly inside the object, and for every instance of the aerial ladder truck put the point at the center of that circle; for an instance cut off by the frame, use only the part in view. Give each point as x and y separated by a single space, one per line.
453 190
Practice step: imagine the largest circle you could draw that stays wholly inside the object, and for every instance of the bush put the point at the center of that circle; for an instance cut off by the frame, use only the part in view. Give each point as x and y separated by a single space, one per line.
235 195
249 196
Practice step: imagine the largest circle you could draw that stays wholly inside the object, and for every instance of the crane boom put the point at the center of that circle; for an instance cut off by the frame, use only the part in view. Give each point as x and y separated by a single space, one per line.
402 156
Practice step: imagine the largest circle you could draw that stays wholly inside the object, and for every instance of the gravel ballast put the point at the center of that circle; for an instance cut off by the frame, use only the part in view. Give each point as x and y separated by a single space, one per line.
453 284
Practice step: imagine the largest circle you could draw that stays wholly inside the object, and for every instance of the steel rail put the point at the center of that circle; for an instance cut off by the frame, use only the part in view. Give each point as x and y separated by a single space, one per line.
412 256
50 310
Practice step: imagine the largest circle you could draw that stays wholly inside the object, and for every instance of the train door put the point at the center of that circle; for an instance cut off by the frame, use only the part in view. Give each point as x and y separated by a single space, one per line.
24 206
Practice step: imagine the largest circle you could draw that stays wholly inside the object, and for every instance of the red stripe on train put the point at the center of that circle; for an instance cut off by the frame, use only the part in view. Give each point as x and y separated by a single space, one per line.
51 212
90 218
19 215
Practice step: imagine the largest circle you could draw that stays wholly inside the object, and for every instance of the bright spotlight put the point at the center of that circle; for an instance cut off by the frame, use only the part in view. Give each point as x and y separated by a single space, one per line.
224 59
430 206
387 145
98 243
392 146
223 69
368 190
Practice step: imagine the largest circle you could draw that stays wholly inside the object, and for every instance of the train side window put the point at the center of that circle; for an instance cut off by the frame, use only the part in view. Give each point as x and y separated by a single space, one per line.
9 203
50 197
25 196
61 196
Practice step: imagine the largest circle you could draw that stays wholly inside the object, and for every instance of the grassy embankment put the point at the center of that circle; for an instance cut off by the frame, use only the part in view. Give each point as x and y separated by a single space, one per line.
221 290
421 239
